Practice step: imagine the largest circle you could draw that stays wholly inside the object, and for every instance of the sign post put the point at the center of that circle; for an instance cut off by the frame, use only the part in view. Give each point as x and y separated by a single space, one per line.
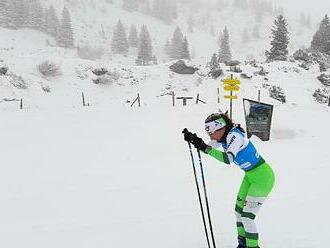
258 118
231 84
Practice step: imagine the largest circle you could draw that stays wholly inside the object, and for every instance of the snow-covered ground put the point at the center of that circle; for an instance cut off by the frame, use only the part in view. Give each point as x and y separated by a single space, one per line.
122 177
111 175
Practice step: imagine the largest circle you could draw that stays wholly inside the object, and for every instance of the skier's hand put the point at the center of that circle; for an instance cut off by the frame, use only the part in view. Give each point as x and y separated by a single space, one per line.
187 136
198 143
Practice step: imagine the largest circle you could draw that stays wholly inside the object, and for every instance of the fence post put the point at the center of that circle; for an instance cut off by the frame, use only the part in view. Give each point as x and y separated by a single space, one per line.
173 98
218 95
184 99
83 99
138 100
21 104
199 100
258 95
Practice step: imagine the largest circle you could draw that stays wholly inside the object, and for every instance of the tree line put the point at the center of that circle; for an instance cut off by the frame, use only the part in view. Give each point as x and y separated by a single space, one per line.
17 14
176 48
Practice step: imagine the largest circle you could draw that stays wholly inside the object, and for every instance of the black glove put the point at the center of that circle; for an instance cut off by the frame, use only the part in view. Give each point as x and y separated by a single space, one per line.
187 136
195 140
198 143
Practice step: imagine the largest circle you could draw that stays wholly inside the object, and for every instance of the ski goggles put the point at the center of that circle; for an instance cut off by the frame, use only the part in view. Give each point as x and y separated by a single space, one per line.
215 125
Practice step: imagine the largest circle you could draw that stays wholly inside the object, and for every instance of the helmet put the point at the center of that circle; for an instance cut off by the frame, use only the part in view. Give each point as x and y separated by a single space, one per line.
215 122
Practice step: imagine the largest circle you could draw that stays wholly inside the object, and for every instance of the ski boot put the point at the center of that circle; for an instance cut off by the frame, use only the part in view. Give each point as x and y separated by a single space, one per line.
241 242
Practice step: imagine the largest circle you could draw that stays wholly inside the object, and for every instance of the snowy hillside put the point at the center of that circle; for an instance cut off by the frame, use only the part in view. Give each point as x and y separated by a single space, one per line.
111 175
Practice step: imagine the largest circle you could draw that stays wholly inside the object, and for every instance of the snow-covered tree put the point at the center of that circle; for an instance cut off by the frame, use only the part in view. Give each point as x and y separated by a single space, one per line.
66 33
145 47
52 23
36 16
7 14
133 37
167 48
119 44
224 51
185 49
214 63
280 40
21 13
321 39
176 44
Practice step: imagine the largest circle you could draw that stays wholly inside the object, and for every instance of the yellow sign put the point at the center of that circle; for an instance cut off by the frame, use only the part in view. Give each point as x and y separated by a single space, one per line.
230 97
231 87
231 81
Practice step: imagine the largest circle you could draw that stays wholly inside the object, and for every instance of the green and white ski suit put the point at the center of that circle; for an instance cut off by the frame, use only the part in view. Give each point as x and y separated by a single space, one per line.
256 185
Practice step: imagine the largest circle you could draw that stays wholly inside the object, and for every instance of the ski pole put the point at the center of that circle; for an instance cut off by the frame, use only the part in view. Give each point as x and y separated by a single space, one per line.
206 200
199 196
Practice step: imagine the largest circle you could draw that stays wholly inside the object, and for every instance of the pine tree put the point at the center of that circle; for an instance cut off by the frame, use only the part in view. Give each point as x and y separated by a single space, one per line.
280 40
119 44
224 52
52 23
214 63
36 16
3 14
321 39
167 48
7 14
145 47
220 38
133 37
185 49
66 32
176 44
20 13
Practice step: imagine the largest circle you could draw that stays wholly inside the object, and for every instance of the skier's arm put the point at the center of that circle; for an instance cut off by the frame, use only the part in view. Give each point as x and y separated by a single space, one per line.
218 155
235 142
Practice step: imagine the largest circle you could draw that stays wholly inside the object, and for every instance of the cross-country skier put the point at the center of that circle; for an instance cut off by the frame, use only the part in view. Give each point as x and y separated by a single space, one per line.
259 177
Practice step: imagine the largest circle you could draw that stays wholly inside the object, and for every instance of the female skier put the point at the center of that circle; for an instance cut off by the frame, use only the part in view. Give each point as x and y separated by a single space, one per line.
259 177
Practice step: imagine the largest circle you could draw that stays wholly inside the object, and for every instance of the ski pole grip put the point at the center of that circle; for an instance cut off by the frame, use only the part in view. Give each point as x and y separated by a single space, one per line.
185 131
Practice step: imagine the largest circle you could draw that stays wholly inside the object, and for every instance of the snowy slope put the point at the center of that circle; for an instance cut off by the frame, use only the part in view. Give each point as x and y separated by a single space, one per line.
109 175
118 177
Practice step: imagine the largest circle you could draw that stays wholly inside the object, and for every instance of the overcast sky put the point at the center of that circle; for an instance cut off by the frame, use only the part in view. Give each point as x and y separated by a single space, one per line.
313 7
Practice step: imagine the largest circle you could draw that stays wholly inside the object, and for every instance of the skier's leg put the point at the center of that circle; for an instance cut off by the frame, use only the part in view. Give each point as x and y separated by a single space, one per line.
242 193
262 181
